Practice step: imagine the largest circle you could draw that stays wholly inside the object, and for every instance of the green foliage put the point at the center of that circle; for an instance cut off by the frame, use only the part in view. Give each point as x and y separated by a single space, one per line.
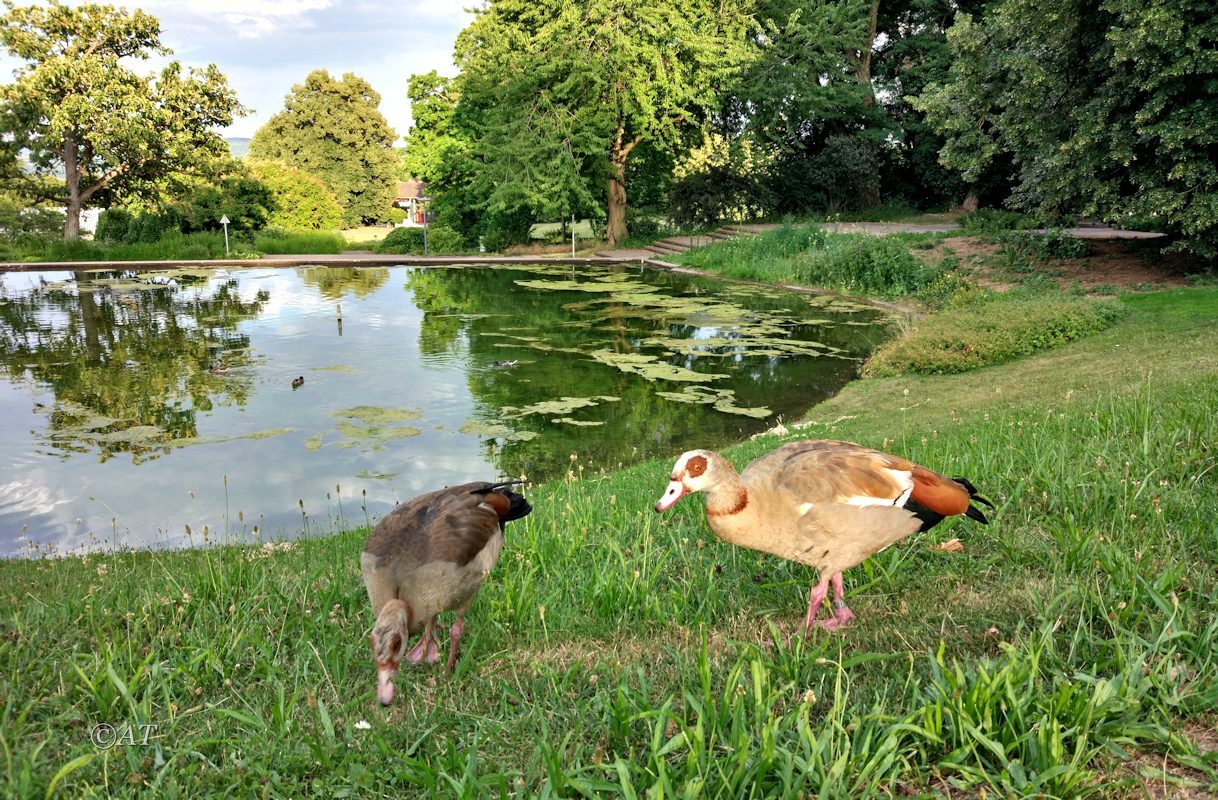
711 196
301 201
280 241
117 226
23 225
999 329
334 130
171 245
441 240
77 109
1098 104
245 200
1042 246
854 263
554 98
993 220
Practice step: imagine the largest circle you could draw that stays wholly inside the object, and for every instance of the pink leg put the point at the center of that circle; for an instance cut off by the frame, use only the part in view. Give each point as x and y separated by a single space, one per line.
455 642
841 613
815 599
426 649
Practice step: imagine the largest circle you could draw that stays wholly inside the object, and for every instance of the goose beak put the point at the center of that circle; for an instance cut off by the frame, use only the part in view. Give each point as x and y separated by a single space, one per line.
384 684
675 490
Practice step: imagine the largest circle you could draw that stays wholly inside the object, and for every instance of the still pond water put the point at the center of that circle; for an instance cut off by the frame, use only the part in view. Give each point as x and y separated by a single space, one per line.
167 409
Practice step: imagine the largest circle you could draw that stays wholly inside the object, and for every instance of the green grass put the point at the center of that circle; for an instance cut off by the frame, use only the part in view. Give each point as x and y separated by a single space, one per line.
619 653
299 242
990 331
878 266
201 246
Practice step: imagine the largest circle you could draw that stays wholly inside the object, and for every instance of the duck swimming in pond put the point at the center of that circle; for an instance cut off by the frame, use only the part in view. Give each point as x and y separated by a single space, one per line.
506 364
297 382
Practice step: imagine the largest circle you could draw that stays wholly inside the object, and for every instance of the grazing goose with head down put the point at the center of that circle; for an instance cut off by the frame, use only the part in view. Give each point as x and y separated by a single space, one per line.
824 503
427 556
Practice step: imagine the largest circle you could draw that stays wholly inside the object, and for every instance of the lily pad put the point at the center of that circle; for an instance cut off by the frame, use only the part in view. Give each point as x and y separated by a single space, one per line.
651 368
563 405
376 476
376 415
721 399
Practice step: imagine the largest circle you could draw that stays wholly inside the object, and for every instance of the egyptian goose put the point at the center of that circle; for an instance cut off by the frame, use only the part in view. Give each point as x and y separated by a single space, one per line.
430 555
824 503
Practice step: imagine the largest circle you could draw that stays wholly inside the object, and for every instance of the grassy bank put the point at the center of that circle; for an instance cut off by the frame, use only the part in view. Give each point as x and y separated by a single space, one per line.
200 246
1067 651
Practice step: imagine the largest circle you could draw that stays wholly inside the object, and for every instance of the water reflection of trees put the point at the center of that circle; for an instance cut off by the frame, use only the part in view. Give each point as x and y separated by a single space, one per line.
334 282
489 319
130 359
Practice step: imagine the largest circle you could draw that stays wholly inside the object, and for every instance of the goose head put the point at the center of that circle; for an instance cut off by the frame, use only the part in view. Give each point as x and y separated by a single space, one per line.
388 639
695 471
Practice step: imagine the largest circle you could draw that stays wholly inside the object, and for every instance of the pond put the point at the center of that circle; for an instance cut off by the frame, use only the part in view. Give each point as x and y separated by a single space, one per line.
177 408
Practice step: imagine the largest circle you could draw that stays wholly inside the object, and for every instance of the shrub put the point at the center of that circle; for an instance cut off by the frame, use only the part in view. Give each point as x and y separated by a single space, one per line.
706 198
1054 244
301 201
441 240
993 220
1000 329
24 225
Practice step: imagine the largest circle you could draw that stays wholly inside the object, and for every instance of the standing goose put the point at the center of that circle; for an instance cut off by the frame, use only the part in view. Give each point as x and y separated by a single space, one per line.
824 503
427 556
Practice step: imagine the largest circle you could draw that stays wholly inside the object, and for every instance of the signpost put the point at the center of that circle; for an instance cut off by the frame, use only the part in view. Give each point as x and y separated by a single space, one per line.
224 222
423 201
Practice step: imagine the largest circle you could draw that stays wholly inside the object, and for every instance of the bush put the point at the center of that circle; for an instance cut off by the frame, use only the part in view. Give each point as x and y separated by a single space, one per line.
301 201
1042 246
1000 329
708 197
441 240
23 225
994 220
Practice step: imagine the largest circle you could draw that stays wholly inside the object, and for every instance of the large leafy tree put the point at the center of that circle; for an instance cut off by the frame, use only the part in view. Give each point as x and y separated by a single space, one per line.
556 96
333 129
92 129
1105 107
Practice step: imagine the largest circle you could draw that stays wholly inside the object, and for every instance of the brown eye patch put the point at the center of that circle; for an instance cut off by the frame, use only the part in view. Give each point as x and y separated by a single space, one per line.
695 466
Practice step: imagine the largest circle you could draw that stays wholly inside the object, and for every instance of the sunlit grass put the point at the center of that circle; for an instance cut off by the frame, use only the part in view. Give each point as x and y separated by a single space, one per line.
619 653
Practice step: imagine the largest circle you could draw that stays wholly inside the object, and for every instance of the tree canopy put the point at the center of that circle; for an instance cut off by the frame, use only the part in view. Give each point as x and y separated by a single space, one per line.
334 130
554 97
93 129
1105 107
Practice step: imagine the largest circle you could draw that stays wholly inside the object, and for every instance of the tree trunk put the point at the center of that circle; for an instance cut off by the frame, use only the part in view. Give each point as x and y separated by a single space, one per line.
71 169
862 66
869 191
970 202
616 205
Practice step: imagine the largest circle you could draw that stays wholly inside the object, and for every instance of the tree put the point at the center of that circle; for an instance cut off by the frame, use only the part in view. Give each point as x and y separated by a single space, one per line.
1105 107
301 201
556 96
76 109
334 130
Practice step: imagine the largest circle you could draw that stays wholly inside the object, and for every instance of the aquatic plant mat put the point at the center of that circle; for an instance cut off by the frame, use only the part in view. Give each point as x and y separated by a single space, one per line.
1066 651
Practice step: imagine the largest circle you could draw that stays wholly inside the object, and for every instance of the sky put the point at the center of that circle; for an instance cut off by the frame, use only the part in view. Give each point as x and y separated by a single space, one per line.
264 47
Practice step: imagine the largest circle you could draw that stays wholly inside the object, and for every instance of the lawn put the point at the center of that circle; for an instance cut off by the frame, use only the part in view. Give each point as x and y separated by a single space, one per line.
1067 651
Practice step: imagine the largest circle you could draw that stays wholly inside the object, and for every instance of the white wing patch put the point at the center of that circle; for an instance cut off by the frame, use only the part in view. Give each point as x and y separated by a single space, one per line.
902 478
803 508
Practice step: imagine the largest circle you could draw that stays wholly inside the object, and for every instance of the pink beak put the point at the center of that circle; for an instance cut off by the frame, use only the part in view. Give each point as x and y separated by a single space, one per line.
384 684
675 490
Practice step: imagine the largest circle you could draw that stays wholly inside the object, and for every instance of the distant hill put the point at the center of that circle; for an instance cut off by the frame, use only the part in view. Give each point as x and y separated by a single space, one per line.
239 145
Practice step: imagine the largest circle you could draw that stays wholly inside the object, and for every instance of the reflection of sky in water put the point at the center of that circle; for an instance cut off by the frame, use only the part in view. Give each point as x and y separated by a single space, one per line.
74 499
